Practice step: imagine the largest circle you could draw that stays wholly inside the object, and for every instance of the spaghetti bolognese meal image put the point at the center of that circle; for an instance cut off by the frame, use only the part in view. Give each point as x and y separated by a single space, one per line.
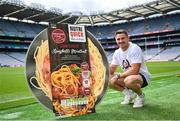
69 78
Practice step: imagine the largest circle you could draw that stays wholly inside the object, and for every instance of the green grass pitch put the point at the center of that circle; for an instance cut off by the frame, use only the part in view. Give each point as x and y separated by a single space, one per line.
162 98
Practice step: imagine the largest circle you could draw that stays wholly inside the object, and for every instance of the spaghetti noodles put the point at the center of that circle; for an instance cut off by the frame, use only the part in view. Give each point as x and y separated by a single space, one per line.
42 73
98 69
67 85
63 83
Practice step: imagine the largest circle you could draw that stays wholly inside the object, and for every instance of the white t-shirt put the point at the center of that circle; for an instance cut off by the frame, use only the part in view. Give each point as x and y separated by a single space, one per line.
132 55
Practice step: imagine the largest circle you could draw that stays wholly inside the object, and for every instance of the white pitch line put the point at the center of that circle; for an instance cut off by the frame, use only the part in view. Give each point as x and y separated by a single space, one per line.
165 74
165 66
112 92
16 99
11 115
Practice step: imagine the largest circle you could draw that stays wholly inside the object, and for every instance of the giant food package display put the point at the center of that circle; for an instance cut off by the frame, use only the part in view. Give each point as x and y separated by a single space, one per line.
67 70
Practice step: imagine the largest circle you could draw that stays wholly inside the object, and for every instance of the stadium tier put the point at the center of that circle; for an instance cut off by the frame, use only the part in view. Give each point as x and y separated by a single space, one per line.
170 53
145 26
19 29
158 37
12 59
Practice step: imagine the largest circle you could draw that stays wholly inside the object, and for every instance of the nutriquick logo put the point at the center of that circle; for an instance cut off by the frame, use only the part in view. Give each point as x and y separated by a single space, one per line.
58 36
76 33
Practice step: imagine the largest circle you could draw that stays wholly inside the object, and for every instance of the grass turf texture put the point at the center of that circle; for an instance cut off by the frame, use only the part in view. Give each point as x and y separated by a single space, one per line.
13 88
162 98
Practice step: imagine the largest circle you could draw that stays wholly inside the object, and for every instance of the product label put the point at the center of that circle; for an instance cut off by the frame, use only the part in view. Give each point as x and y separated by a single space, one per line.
70 70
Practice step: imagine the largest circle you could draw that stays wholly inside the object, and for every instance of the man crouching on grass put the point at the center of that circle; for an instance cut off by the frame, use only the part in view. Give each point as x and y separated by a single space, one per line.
135 74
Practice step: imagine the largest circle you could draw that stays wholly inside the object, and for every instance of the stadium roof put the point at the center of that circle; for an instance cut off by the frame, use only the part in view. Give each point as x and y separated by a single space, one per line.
38 13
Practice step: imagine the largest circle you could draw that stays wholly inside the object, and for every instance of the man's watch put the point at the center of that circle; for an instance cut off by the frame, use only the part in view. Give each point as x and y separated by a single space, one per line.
118 76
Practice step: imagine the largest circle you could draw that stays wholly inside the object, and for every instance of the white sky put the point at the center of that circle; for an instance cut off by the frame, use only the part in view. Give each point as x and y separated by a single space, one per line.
87 6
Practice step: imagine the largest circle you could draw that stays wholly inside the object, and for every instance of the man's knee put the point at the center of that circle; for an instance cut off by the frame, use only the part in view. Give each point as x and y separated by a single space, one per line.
128 82
131 82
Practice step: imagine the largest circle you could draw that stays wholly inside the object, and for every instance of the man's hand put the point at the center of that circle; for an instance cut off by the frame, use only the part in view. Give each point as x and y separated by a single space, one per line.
115 77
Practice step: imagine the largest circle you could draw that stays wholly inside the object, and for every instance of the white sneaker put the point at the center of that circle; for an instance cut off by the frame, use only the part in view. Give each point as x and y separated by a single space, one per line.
128 98
139 101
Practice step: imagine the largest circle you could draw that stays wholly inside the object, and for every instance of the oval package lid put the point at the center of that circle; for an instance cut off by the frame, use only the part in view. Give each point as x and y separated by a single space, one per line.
30 69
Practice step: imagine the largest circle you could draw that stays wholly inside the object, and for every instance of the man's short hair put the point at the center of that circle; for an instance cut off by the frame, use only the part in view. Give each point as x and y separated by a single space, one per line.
121 31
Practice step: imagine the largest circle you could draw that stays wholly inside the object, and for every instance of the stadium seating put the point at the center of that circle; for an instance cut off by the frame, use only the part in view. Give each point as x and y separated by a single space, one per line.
8 29
154 54
150 53
18 56
103 33
109 55
14 60
37 27
14 46
14 28
23 28
174 21
19 29
169 22
168 54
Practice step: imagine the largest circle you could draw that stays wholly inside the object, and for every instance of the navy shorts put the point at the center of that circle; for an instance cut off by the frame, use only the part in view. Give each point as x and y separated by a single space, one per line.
144 81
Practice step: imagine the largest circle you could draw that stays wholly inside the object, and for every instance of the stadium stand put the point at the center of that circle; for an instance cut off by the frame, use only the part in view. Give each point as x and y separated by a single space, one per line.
8 29
109 55
37 27
19 29
150 25
23 28
152 35
150 53
157 36
12 59
168 54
